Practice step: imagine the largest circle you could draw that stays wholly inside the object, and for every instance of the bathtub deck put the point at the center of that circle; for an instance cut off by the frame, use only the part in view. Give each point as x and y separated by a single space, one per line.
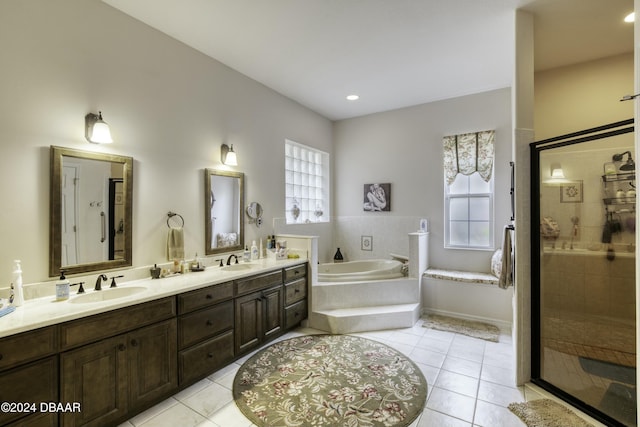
347 307
371 318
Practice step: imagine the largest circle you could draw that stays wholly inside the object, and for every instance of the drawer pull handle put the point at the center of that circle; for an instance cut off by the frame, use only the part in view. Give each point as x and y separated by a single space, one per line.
134 343
209 296
209 323
210 355
1 356
295 291
122 347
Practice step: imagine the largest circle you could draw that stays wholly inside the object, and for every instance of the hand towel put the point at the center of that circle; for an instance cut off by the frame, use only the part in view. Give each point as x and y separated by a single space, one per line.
506 275
175 244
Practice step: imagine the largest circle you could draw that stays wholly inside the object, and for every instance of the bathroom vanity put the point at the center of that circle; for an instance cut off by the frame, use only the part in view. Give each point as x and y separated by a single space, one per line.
116 359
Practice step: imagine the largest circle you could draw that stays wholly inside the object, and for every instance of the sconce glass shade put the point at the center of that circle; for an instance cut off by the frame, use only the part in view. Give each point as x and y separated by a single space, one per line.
556 171
96 130
228 156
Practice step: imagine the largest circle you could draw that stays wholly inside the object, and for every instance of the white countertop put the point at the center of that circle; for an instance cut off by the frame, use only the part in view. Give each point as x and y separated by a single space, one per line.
40 312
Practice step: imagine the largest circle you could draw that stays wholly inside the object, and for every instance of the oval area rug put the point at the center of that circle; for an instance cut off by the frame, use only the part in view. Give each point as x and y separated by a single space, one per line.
329 380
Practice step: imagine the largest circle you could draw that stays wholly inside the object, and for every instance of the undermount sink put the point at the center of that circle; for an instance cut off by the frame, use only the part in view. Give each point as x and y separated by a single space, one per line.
237 267
107 294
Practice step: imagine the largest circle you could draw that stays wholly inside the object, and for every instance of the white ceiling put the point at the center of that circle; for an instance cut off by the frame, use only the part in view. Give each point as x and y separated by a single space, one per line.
393 53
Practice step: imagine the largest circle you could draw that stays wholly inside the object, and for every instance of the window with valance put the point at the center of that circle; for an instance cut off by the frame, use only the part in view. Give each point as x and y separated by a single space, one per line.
468 171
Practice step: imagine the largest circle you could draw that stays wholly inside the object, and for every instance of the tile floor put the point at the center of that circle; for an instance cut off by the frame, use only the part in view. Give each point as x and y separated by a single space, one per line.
470 384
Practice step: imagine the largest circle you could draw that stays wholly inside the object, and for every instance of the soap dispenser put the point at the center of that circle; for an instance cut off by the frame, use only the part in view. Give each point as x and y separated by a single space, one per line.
246 256
62 287
16 285
254 250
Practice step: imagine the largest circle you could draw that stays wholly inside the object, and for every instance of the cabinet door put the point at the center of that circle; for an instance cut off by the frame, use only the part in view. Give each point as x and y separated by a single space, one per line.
95 376
34 383
153 366
248 324
273 311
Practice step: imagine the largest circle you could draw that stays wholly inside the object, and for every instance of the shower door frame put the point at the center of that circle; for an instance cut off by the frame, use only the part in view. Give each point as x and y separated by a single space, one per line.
592 134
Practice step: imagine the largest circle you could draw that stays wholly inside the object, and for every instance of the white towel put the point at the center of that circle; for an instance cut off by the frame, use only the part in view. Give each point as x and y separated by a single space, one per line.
506 275
175 244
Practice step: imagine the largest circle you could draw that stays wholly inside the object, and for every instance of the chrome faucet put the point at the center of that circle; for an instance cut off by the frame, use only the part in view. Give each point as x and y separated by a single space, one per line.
99 281
229 259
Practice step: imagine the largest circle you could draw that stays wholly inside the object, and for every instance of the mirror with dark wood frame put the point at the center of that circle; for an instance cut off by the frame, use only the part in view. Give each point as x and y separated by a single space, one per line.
91 206
224 214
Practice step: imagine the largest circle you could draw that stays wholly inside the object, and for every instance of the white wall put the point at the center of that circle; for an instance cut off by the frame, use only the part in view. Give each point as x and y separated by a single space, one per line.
404 147
169 107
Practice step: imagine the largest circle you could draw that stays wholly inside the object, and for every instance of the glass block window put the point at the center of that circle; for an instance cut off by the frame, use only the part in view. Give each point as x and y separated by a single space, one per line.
306 184
469 212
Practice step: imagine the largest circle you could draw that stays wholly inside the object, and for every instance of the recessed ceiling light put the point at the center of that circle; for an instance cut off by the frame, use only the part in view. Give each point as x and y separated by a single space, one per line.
630 17
353 97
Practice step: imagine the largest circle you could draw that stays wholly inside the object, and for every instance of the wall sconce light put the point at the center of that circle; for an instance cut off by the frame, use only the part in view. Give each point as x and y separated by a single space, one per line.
228 156
556 171
96 130
630 165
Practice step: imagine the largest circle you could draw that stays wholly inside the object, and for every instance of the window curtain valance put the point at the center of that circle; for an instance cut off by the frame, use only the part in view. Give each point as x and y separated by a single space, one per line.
467 153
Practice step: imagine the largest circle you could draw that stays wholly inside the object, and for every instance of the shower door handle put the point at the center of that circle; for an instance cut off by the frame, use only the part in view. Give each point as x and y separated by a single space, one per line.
103 222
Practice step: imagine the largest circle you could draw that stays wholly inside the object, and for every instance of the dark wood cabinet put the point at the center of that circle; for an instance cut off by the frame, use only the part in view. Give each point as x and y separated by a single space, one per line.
152 363
258 317
31 383
295 295
29 374
205 331
95 376
118 363
116 375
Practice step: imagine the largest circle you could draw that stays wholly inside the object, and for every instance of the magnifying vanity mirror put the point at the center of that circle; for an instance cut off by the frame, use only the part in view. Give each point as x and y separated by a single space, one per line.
91 206
254 212
224 216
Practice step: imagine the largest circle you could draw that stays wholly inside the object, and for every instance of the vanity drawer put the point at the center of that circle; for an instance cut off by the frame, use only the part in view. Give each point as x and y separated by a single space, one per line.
295 291
205 358
33 383
245 286
194 300
295 272
94 328
204 323
27 346
295 314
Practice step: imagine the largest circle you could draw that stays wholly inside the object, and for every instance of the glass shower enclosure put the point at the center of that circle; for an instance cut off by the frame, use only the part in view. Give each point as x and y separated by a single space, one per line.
583 270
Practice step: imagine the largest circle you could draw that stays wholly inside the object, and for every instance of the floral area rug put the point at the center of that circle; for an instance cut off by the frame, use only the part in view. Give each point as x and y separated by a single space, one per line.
329 380
546 413
470 328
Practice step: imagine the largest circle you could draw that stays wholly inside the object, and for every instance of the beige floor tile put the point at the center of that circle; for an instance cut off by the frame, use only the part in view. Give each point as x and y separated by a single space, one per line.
177 415
208 400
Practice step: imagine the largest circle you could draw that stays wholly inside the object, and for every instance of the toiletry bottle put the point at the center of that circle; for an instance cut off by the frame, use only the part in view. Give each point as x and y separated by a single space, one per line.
254 250
273 241
246 256
16 284
338 256
268 242
62 288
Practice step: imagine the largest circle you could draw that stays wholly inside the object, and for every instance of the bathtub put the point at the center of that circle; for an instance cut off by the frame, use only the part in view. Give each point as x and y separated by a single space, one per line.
354 271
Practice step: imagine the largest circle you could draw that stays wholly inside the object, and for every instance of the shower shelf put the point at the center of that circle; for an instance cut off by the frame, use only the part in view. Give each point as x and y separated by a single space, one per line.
619 177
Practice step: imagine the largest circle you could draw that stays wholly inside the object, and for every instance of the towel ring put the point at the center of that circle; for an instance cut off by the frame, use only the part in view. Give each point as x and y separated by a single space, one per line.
173 222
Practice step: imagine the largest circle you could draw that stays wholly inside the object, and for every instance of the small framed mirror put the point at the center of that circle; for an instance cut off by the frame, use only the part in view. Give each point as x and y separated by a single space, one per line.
91 205
224 214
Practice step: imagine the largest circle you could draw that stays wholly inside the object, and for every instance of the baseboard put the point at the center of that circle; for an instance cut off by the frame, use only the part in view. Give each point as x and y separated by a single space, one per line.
505 327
